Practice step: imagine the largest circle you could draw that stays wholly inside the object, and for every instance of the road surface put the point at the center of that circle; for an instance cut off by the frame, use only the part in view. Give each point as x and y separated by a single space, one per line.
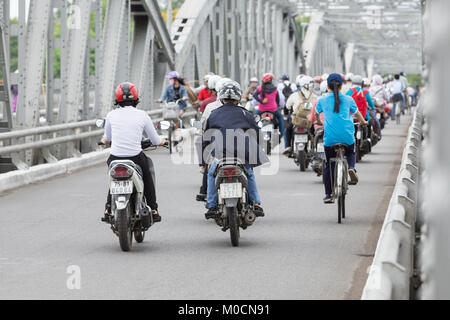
298 251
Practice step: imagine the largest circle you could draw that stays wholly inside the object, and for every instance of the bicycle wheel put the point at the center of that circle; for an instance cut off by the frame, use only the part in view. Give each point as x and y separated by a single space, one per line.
170 140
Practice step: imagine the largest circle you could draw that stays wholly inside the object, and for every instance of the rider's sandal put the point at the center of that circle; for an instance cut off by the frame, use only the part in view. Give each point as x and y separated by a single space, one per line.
258 210
156 216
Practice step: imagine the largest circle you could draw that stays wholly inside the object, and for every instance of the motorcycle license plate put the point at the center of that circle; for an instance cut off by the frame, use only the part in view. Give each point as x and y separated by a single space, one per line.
268 128
320 147
231 190
121 187
301 138
358 135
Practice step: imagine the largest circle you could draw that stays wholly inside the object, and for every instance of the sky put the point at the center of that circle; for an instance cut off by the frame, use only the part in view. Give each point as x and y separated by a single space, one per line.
14 8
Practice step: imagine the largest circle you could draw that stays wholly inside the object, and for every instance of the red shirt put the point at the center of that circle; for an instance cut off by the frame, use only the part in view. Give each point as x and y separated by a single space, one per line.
205 103
204 94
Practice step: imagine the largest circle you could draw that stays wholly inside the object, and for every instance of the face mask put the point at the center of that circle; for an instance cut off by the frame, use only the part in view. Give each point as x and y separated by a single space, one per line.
172 81
253 85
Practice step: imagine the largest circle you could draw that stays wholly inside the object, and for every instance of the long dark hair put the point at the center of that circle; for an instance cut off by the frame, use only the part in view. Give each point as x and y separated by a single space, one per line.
335 86
263 89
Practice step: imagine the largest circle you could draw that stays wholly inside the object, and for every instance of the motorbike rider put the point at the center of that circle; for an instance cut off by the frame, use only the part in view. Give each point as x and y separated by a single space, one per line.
175 91
123 131
212 85
347 84
204 92
286 87
339 128
231 116
271 100
300 105
248 94
378 93
357 91
212 92
397 88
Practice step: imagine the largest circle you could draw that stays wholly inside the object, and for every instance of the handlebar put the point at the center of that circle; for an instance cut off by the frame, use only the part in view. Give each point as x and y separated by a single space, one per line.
145 144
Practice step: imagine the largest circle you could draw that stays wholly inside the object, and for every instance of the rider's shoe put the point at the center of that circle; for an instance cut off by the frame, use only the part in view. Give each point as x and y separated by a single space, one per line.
353 177
201 197
258 211
213 213
107 214
328 199
287 151
156 217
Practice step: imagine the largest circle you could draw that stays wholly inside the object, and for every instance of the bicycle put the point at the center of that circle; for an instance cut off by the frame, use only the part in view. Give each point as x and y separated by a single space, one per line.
171 116
340 185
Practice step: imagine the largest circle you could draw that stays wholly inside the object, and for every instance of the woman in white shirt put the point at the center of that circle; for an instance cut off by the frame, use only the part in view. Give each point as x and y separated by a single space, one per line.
123 130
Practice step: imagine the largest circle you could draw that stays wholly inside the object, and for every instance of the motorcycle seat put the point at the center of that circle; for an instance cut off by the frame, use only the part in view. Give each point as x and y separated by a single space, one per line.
128 163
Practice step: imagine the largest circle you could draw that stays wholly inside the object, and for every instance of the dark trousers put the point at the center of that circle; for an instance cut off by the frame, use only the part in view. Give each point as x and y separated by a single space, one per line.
328 175
149 185
204 187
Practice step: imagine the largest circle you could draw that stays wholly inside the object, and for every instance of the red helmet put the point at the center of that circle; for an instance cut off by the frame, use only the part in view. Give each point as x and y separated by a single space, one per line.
318 79
127 92
268 77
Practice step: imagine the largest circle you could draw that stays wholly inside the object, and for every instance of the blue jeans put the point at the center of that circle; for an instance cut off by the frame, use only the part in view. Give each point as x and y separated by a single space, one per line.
281 124
328 174
252 189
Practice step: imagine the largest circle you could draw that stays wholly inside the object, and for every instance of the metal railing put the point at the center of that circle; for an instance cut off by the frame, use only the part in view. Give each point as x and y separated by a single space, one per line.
393 264
44 136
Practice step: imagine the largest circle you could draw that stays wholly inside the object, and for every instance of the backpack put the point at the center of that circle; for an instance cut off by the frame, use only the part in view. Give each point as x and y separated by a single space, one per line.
361 102
301 116
287 91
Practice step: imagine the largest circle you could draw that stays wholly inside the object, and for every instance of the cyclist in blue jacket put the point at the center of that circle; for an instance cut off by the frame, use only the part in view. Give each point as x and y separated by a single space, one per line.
339 128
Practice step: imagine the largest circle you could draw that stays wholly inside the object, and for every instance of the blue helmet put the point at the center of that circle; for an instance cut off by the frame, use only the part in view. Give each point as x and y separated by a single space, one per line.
285 77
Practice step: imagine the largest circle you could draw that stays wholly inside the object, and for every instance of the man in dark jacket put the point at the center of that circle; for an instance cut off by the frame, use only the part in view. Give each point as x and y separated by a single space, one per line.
232 132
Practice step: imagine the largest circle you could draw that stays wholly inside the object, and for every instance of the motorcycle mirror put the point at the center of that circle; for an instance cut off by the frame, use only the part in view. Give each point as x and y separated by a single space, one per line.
260 124
257 118
196 124
164 125
100 123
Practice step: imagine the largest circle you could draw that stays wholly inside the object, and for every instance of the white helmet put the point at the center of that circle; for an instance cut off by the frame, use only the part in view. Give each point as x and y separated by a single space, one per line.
298 79
358 80
212 82
377 80
220 83
231 90
254 79
306 82
349 77
323 87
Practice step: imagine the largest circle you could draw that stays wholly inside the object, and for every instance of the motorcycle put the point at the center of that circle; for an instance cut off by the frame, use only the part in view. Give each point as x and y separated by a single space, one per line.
268 123
130 215
234 207
171 118
302 152
363 144
319 159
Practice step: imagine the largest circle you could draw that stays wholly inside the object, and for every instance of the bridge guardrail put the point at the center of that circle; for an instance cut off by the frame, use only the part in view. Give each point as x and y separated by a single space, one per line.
43 142
393 267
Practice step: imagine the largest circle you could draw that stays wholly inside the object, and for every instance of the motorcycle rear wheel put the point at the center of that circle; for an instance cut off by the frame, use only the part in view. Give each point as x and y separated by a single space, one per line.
233 221
123 224
302 161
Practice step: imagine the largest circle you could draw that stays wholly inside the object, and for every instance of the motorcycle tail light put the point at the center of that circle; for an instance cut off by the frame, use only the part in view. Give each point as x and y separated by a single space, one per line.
121 172
300 130
267 115
230 172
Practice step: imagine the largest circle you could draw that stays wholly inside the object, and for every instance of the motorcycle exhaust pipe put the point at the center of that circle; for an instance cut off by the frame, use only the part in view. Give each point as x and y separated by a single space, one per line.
250 218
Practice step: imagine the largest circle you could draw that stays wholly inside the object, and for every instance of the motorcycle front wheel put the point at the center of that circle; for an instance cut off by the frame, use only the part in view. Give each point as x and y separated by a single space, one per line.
233 221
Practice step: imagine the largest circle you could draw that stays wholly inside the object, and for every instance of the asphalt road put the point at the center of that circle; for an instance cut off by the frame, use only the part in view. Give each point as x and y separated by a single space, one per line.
298 251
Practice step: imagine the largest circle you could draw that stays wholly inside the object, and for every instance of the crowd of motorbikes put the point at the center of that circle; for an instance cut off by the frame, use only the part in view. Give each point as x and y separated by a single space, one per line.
131 216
